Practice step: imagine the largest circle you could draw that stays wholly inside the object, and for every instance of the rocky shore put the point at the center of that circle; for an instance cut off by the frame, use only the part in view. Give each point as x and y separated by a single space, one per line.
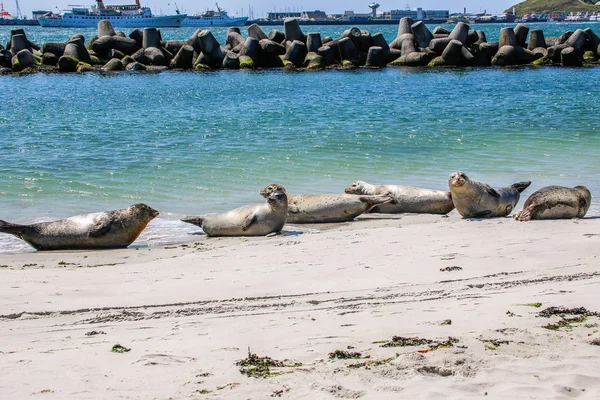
414 46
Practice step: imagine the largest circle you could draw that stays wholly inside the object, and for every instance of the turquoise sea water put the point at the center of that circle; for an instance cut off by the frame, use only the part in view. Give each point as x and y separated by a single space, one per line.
189 142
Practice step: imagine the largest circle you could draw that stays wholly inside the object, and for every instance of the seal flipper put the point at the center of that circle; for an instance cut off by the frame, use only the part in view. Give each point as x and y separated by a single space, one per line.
376 200
491 191
13 229
101 227
194 220
525 214
521 186
250 219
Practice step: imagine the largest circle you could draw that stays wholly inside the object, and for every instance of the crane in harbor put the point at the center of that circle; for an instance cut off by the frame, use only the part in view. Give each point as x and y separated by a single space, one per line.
19 13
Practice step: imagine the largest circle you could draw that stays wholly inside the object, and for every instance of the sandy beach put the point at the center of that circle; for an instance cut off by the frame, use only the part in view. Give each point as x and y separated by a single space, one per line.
464 300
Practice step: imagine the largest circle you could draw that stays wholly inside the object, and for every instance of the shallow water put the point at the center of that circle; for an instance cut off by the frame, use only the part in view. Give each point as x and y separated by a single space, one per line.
188 142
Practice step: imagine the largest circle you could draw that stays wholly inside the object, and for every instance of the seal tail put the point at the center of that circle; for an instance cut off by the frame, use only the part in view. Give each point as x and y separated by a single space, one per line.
194 220
521 186
9 227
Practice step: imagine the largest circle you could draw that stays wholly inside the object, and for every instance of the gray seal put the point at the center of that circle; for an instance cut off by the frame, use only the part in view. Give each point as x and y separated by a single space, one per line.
407 199
103 230
474 199
325 208
251 220
556 202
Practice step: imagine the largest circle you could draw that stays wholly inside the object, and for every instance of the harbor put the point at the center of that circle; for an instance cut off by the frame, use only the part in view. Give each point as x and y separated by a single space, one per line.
136 15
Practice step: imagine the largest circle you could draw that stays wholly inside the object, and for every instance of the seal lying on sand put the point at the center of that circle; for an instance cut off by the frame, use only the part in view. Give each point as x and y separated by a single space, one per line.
556 202
407 199
251 220
103 230
474 199
321 208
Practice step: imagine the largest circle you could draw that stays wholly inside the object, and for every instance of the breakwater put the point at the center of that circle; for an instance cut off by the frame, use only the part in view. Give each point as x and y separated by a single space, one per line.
415 45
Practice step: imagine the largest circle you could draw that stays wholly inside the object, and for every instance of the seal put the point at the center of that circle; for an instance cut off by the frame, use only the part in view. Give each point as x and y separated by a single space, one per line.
322 208
474 199
250 220
104 230
407 199
556 202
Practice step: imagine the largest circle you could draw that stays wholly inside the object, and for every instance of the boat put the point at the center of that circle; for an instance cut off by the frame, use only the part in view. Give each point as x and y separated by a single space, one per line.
576 17
529 18
7 19
213 18
122 16
503 18
3 13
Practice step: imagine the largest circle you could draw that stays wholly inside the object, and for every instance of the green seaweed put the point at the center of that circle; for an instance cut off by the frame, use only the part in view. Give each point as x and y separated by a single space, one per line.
370 364
562 311
400 341
580 314
260 367
536 305
436 62
566 323
493 344
117 348
344 355
229 385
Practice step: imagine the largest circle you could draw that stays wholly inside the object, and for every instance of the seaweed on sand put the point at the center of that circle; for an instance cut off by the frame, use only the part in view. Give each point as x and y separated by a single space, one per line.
401 341
344 355
580 314
260 367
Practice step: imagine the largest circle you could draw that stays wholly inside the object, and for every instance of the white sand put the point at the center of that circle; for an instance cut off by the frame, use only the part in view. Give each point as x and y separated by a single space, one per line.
189 313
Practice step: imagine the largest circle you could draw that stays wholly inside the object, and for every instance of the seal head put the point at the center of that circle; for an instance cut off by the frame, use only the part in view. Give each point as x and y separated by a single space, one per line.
474 199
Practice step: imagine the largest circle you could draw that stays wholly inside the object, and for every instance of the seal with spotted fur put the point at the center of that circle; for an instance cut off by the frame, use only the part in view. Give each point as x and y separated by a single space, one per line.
103 230
474 199
252 220
407 199
324 208
556 202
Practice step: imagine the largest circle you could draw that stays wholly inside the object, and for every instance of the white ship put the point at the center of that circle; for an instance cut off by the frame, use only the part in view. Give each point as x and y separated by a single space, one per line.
214 18
122 16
